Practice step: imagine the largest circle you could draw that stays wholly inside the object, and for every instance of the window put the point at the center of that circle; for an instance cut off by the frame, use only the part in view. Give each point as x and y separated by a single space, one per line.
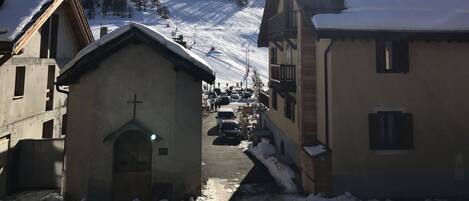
274 99
50 88
289 54
273 55
392 56
20 80
289 111
390 130
49 36
48 129
64 124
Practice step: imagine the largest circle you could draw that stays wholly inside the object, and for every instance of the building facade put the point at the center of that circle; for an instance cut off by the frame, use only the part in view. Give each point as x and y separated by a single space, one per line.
381 97
32 51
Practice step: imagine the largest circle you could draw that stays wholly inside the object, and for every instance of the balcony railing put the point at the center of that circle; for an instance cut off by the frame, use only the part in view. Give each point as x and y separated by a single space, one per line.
283 76
283 25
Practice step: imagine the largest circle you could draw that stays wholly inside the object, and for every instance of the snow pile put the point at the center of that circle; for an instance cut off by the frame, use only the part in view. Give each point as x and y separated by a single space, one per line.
315 150
398 15
282 174
318 197
244 145
170 44
15 15
221 24
52 197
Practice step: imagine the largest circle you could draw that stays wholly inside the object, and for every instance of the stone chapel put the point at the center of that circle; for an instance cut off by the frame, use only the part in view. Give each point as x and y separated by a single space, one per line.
134 118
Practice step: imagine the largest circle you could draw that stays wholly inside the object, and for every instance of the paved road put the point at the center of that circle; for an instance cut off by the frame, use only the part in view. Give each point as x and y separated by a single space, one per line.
228 170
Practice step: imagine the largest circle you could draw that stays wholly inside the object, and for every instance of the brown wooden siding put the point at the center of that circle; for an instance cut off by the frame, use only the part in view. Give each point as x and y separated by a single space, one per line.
307 83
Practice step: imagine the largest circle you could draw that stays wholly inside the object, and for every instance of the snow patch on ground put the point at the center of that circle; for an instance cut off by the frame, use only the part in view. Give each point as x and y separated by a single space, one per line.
218 189
282 174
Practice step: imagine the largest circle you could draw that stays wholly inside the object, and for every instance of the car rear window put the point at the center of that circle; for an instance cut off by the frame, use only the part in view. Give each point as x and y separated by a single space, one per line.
229 126
226 115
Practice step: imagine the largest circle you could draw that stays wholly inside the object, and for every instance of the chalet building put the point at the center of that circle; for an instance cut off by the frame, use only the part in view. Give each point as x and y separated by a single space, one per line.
134 128
369 97
36 39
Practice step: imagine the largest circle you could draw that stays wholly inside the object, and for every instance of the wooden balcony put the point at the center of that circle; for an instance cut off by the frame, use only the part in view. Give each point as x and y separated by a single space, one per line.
282 26
283 77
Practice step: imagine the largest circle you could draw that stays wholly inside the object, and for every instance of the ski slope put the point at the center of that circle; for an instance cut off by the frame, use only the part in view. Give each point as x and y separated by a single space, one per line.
221 24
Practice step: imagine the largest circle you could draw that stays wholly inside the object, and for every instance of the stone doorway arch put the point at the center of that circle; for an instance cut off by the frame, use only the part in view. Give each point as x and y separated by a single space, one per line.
132 166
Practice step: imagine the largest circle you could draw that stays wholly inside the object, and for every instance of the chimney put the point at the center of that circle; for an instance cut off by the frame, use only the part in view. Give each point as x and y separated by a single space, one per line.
102 31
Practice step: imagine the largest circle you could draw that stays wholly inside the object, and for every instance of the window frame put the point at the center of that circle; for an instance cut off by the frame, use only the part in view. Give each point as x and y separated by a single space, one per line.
392 56
20 82
382 135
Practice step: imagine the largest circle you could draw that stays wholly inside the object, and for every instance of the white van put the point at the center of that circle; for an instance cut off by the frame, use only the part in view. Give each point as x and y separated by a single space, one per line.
225 114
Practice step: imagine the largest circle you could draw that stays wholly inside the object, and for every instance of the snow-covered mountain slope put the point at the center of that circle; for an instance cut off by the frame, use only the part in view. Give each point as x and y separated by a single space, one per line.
209 23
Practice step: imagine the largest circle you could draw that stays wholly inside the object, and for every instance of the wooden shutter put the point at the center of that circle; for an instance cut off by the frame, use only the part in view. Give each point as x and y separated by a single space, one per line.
45 31
54 35
407 139
380 56
403 56
373 130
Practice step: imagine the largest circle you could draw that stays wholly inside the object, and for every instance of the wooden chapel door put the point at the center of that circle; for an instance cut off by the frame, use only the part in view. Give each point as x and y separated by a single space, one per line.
132 167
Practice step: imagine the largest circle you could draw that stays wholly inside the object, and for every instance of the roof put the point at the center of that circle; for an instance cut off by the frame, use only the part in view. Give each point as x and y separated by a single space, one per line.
398 15
86 59
307 7
19 19
225 109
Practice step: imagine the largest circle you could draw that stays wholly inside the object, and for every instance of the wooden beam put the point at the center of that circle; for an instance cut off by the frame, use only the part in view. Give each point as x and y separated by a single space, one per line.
36 26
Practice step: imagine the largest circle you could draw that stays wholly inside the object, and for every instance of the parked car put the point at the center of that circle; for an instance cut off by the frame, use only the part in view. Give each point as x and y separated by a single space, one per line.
225 100
223 94
225 114
234 97
229 130
247 95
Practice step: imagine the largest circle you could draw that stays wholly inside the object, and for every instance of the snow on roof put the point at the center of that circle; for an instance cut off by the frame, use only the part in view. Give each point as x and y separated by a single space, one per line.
169 43
315 150
15 15
398 15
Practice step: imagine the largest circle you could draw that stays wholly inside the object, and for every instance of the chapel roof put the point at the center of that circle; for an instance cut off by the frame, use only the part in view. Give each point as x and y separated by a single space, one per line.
107 44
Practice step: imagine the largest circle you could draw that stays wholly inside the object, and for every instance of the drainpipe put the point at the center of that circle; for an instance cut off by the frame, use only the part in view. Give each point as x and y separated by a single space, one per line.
326 91
63 189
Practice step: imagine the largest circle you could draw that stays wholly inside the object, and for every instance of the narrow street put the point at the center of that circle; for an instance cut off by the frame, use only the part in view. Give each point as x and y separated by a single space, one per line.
228 170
